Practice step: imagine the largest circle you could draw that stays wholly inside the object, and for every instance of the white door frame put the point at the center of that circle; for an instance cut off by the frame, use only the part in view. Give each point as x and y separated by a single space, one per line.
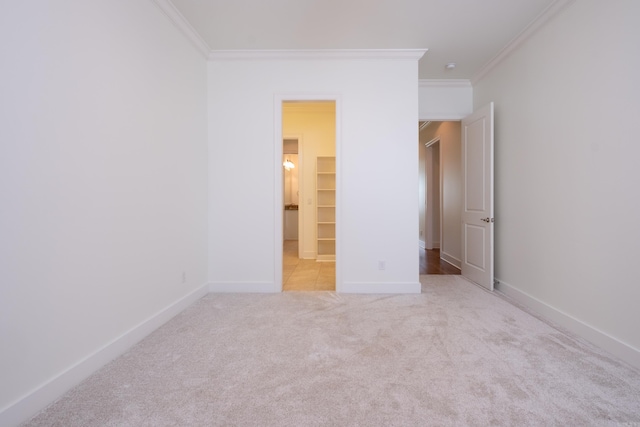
279 98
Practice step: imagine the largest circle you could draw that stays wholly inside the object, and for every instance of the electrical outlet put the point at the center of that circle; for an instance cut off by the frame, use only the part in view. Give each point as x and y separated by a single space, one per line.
382 265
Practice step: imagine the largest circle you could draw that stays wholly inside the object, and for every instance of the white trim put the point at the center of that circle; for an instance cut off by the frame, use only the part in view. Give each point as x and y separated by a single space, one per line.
309 255
278 192
184 26
545 16
246 287
381 288
423 125
431 142
442 117
440 193
444 83
321 54
39 398
614 346
450 259
339 200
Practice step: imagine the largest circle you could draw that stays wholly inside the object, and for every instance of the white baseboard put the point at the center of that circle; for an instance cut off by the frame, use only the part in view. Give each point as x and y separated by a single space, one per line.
423 245
36 400
243 287
451 259
309 255
601 339
380 288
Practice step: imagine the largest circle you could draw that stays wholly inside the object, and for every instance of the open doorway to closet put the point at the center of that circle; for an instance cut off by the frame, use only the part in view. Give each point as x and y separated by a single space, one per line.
309 195
440 197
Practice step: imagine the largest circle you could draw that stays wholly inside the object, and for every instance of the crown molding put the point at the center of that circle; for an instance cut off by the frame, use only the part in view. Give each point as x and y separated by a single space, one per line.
183 25
423 125
322 54
444 83
545 16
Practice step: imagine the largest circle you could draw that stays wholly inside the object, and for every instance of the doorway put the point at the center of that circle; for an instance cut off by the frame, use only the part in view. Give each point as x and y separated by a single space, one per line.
309 256
291 173
440 198
432 233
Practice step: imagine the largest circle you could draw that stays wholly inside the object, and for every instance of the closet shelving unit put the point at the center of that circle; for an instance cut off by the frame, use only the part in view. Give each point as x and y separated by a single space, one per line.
326 208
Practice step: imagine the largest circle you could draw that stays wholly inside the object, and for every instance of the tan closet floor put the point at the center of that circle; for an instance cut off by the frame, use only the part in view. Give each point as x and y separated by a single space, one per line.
305 274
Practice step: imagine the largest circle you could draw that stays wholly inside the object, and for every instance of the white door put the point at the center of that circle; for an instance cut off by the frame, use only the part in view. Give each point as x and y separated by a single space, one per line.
477 206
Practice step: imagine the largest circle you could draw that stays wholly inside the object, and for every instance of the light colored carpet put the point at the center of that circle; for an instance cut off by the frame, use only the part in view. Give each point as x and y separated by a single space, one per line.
454 355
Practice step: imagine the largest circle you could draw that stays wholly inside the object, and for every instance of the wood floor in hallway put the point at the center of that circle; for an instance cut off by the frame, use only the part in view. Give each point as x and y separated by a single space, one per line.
431 263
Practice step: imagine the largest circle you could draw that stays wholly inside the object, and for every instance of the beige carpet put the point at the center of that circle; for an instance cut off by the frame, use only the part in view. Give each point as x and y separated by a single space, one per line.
454 355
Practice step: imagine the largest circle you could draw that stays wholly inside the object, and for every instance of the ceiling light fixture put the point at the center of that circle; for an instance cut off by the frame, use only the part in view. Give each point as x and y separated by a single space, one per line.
450 66
288 164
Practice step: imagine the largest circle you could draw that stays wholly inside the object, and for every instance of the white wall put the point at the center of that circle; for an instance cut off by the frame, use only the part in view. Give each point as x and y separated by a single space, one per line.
445 99
567 205
315 124
451 175
103 187
377 216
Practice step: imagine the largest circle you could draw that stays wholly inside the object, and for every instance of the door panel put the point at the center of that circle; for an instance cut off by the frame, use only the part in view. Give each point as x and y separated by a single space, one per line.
475 238
474 197
477 208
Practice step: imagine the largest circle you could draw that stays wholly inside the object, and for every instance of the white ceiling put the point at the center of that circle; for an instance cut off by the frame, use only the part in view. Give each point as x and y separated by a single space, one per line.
468 32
